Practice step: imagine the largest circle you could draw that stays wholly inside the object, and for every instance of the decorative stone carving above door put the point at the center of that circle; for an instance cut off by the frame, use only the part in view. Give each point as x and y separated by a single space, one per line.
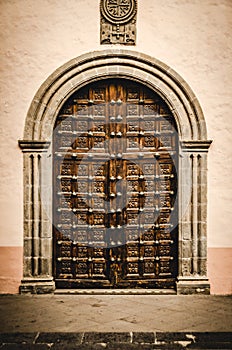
118 21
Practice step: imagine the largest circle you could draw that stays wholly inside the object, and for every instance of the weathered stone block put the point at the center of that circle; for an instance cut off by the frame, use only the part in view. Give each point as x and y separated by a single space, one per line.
95 337
46 229
46 266
27 266
185 266
46 247
202 263
143 337
171 337
37 285
191 286
17 338
27 247
186 248
27 227
186 230
60 338
202 248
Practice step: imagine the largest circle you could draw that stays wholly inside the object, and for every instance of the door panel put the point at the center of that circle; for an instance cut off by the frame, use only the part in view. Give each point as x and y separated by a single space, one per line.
115 186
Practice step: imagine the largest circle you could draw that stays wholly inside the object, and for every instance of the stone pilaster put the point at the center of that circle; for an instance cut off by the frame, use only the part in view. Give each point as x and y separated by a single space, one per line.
37 268
192 276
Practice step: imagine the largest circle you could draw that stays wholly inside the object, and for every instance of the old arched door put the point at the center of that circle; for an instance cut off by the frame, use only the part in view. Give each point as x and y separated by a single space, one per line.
115 189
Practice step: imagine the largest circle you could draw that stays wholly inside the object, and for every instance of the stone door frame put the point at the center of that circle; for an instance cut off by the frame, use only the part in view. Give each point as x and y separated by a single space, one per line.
37 152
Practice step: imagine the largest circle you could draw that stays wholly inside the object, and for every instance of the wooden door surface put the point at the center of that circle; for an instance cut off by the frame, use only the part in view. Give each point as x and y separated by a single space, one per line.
115 186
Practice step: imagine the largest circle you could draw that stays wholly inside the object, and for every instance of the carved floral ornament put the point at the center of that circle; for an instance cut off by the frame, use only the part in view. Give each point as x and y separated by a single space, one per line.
119 11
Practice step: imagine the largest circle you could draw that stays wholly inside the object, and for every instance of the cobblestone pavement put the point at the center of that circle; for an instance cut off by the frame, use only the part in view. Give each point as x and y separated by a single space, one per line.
114 322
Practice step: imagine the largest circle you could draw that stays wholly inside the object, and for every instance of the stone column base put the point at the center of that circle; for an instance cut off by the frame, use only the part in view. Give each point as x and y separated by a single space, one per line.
191 285
39 285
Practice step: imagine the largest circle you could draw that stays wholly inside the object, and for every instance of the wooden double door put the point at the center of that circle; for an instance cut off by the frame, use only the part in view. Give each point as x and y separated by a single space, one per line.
115 186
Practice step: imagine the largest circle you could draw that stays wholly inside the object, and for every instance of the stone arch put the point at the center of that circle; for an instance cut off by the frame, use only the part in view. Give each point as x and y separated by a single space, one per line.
194 145
108 64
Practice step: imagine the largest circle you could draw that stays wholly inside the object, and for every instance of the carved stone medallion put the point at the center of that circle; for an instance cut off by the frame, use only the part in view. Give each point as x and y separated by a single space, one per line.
118 21
120 11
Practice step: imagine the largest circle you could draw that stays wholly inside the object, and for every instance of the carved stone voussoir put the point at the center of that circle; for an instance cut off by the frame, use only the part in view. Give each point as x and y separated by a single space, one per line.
118 21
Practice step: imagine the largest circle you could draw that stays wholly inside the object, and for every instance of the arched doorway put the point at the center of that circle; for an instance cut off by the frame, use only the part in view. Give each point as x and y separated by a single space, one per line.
37 146
115 154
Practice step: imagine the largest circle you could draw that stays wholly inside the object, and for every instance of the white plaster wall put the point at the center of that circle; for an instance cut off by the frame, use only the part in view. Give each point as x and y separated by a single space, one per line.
191 36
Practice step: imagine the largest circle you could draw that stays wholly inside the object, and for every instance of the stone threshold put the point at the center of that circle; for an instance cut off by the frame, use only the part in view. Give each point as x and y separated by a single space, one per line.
116 291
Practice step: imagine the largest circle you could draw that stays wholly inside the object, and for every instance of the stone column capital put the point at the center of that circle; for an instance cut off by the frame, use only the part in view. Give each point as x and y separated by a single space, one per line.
195 146
34 146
